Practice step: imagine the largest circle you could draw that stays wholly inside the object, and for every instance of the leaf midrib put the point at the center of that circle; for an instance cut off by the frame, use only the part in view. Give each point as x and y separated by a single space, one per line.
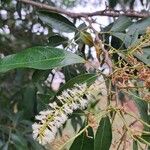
25 63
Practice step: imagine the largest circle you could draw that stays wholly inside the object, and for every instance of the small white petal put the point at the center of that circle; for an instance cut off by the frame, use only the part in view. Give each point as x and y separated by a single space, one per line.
74 106
45 32
3 14
67 109
53 105
23 12
16 16
46 112
41 29
83 103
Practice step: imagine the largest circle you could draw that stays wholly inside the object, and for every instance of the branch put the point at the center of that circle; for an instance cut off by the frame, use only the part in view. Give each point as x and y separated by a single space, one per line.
106 12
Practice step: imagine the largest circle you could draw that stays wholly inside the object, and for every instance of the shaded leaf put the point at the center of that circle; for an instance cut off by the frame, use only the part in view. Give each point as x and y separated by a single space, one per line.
18 8
35 145
144 56
4 147
57 21
131 39
139 26
121 24
142 106
41 57
73 71
84 141
75 121
40 75
88 78
135 145
29 101
143 110
86 38
119 35
103 135
82 26
19 142
135 30
57 40
112 3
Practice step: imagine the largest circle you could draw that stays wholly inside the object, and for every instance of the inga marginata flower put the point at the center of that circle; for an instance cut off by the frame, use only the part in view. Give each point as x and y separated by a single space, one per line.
50 120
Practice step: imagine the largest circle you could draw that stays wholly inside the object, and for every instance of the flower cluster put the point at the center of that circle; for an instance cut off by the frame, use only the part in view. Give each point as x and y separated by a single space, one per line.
49 121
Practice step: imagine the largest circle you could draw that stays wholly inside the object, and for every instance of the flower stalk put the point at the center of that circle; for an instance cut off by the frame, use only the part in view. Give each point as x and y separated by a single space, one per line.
49 121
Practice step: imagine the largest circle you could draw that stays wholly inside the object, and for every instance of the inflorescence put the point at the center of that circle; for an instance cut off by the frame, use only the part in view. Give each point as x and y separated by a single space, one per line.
49 121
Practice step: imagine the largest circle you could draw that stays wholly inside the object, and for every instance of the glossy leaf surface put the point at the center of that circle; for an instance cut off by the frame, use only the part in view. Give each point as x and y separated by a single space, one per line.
57 21
41 57
103 135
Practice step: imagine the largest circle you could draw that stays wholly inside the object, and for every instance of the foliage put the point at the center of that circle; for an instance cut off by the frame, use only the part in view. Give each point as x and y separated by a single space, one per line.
88 92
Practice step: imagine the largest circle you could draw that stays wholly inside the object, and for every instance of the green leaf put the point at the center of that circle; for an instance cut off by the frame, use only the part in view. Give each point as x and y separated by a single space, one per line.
73 71
139 26
28 102
145 56
121 24
84 141
131 39
57 21
103 135
112 3
86 38
57 40
40 75
5 146
135 30
141 105
41 57
35 145
88 78
135 145
19 142
143 110
119 35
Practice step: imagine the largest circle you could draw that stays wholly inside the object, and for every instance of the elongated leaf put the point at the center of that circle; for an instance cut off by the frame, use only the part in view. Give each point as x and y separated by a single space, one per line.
139 26
119 35
141 105
35 144
84 141
29 101
121 24
145 56
143 110
135 30
57 21
135 145
41 57
56 40
103 135
88 78
86 38
131 39
19 142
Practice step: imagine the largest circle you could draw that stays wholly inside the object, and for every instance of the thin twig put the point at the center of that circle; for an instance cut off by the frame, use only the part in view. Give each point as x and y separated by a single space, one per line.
106 12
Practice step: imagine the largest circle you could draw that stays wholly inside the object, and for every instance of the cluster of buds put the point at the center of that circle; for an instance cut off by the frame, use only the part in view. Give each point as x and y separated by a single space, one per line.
144 75
49 121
